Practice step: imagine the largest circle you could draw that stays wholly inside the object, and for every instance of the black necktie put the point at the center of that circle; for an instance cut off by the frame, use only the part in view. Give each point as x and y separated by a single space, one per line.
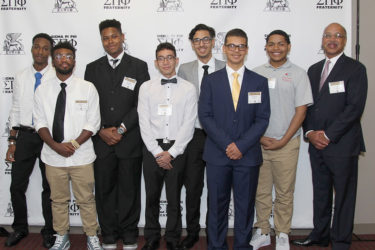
165 81
114 62
58 119
205 68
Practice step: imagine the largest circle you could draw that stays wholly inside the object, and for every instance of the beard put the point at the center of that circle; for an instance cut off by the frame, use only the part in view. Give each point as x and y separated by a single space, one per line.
64 71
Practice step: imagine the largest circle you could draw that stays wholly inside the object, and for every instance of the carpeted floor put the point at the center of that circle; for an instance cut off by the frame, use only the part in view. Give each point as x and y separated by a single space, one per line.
78 242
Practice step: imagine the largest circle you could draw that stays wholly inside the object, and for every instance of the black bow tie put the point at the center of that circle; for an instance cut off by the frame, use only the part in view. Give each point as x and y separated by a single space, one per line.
164 81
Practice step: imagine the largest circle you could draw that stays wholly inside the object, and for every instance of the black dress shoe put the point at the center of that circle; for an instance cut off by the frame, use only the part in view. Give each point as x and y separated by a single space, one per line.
48 240
151 245
14 238
306 242
189 241
3 232
173 246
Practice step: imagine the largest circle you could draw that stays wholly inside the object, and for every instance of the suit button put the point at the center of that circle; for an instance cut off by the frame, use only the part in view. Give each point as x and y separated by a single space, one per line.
316 109
112 108
234 121
112 91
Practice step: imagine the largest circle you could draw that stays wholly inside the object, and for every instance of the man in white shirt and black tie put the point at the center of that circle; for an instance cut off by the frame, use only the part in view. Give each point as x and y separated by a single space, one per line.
167 110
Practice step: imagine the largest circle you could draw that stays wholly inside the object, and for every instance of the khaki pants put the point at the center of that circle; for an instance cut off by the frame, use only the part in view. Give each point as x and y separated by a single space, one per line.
278 170
82 178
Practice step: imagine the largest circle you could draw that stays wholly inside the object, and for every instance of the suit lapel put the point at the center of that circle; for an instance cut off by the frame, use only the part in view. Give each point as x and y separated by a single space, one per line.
225 88
194 73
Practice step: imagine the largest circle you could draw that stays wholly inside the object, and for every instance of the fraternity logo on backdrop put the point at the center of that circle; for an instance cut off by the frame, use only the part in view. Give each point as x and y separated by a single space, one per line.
231 210
64 6
6 129
163 208
219 42
170 6
329 4
9 211
73 208
277 6
13 5
116 4
65 38
175 39
8 168
223 4
7 84
13 44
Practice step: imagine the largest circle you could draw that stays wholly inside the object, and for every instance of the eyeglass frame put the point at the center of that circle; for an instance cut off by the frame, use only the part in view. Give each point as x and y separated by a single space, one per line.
233 47
204 40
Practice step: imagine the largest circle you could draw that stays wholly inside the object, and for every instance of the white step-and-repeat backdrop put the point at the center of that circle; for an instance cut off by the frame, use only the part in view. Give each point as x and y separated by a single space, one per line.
146 23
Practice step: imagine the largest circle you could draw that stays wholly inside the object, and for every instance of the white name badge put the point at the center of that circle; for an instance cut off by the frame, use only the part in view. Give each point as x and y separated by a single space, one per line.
165 109
271 83
254 97
336 87
81 105
129 83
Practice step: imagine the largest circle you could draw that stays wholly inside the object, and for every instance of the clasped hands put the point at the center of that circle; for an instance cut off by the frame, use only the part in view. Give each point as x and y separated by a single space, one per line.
318 139
233 152
164 159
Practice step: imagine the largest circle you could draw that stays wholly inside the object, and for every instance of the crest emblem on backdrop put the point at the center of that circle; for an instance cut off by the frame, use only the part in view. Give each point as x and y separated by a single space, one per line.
277 6
13 45
170 6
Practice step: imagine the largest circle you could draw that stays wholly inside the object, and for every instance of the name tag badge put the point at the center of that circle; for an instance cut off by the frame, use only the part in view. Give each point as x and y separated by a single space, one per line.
165 109
129 83
271 83
336 87
81 105
254 97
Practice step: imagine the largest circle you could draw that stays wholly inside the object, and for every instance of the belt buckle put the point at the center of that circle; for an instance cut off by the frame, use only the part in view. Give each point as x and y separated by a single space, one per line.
166 141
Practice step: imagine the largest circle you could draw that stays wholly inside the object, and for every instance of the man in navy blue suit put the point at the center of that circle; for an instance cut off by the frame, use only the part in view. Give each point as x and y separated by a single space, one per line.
234 111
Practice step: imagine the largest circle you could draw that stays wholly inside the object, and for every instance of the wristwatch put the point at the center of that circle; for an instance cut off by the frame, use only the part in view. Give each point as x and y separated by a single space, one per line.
121 130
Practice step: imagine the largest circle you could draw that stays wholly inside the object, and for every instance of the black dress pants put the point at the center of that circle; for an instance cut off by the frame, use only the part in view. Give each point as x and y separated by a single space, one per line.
339 174
28 148
118 197
194 180
155 177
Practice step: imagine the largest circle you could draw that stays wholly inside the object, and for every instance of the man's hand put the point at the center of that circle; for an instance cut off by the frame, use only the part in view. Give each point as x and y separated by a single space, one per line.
10 153
164 160
110 135
65 149
269 143
318 139
233 152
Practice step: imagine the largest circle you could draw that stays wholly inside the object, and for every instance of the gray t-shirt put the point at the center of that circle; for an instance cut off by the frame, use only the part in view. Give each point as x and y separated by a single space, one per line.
289 87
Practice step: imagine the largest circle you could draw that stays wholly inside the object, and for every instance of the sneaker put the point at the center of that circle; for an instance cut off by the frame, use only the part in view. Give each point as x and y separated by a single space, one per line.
61 243
93 243
282 242
260 240
109 246
130 246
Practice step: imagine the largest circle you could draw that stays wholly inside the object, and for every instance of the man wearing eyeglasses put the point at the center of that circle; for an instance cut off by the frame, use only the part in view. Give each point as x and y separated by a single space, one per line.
333 129
167 110
118 145
25 144
202 38
66 112
234 109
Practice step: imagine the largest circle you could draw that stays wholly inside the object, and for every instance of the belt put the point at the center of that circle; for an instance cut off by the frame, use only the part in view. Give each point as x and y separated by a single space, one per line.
26 129
165 141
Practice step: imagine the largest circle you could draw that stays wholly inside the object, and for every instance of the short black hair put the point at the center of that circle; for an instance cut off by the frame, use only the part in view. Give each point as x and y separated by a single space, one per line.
64 45
167 46
110 23
281 33
201 26
45 36
235 32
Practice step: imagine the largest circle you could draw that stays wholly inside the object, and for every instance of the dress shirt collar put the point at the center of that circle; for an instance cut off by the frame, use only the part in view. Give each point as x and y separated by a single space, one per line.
109 57
231 71
210 63
67 81
333 59
43 71
287 64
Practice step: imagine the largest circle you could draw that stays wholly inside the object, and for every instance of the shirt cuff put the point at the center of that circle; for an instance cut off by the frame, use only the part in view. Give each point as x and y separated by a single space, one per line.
308 132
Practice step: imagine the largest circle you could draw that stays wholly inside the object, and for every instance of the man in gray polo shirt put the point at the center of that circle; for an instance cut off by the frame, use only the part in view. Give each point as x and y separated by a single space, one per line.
290 94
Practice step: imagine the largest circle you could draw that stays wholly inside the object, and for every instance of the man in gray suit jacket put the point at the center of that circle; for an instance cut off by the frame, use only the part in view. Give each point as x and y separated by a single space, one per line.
202 38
